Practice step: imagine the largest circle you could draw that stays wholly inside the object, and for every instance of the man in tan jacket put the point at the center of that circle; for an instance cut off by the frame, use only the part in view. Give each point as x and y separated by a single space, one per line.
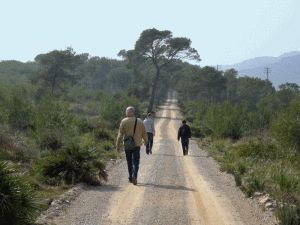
132 155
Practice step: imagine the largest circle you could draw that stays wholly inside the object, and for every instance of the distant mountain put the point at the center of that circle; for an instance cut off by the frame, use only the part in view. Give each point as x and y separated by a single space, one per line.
284 68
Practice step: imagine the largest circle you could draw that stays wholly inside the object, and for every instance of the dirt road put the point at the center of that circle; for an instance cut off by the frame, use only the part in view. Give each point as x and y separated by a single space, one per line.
171 189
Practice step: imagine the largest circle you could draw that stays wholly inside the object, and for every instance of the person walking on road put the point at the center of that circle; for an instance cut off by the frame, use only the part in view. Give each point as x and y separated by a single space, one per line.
149 125
132 129
184 133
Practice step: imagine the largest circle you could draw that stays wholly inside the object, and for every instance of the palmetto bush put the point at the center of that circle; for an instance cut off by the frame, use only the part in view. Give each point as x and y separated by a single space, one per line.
72 164
17 202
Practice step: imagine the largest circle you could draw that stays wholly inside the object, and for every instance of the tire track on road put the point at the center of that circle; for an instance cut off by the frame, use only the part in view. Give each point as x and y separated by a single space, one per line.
205 203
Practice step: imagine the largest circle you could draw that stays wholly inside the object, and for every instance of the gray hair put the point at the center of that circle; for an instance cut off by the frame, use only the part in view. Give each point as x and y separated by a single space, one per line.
130 109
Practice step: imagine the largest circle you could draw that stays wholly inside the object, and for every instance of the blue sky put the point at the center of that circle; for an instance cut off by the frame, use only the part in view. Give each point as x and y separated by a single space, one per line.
223 32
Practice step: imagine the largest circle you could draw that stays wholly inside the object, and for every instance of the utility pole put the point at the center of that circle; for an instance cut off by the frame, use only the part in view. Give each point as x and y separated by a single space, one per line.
268 73
215 67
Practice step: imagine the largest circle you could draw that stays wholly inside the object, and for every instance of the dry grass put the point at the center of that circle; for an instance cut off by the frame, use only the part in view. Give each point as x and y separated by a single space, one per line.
11 149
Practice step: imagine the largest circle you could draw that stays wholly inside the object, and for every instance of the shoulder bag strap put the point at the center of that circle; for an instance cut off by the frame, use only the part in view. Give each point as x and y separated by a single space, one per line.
134 126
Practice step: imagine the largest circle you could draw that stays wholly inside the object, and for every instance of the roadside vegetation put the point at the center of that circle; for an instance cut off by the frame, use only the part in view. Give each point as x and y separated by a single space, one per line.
252 129
52 139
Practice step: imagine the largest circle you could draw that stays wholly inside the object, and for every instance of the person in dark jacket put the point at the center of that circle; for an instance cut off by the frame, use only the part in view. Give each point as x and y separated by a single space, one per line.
184 133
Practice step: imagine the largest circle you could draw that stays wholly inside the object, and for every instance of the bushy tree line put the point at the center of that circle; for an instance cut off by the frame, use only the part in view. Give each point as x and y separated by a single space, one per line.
217 86
249 106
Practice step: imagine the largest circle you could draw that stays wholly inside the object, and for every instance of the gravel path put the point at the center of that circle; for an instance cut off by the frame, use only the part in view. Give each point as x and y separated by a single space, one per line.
172 188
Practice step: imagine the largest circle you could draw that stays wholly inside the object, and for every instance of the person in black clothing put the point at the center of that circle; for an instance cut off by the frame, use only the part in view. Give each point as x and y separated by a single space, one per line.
184 133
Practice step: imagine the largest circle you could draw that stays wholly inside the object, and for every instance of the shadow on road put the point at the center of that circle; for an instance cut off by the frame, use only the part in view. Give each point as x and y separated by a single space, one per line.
166 186
103 188
171 109
181 155
168 118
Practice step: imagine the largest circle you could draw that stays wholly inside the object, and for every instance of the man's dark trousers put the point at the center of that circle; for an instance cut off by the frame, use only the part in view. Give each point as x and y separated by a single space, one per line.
133 161
150 142
185 144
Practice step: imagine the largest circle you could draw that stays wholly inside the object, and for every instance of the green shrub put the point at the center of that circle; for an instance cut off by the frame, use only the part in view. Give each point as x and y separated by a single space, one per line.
103 134
92 108
52 114
242 167
87 141
224 120
190 118
238 179
9 151
18 204
259 182
259 119
249 149
79 93
85 126
288 214
72 164
294 159
52 122
197 131
50 139
45 153
16 110
107 145
259 176
286 178
229 156
111 155
248 189
257 149
229 167
113 109
286 127
5 145
220 146
77 108
284 182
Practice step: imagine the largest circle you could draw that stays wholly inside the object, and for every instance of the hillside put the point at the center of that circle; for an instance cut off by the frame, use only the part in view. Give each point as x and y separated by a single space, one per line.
282 69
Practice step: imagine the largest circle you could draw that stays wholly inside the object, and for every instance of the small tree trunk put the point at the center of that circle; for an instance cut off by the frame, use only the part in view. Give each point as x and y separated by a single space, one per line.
153 92
53 84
